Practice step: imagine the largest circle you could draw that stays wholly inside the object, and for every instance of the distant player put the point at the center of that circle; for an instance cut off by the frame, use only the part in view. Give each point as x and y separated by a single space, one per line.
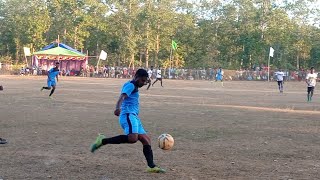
279 77
150 72
158 77
311 80
220 75
127 108
52 75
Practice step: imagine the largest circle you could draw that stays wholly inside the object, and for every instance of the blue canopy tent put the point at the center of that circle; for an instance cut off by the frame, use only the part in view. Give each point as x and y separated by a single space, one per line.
71 59
53 45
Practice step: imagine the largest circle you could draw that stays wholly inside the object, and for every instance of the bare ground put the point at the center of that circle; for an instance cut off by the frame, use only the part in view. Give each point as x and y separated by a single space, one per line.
245 130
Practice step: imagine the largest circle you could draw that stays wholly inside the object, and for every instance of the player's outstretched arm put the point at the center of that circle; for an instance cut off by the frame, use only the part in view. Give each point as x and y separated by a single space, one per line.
119 102
57 78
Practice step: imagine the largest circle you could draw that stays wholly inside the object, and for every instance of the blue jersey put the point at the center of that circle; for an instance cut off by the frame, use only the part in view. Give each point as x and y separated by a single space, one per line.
52 73
131 103
219 75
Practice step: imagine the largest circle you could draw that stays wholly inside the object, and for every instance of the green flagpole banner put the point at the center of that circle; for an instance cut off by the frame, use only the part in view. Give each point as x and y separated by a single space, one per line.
174 45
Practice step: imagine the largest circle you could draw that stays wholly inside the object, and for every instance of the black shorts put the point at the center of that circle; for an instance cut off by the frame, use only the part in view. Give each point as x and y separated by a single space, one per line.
310 88
280 82
160 79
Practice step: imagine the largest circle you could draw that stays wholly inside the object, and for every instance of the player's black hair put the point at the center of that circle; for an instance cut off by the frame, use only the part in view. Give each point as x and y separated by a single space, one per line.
141 73
312 67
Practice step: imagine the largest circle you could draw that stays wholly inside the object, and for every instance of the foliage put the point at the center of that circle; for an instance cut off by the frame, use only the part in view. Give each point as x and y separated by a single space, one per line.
6 60
232 34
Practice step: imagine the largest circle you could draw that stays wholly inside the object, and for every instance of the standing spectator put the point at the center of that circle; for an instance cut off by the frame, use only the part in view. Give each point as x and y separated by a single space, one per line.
105 71
125 72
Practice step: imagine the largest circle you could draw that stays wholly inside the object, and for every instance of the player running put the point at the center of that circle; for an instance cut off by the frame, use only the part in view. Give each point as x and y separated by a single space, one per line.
51 82
158 76
279 77
127 108
150 72
311 81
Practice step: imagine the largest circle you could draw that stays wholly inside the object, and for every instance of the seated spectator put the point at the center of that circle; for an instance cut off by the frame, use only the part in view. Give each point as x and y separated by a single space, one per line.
22 71
63 72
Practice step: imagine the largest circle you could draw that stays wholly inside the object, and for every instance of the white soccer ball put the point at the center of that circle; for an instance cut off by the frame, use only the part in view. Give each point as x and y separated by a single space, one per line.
165 141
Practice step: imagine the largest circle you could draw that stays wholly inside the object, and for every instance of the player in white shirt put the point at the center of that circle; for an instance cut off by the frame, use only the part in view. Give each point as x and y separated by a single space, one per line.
150 72
279 77
311 81
158 77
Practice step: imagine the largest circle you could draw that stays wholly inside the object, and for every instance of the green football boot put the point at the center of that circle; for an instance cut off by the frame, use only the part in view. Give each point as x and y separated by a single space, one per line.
98 143
156 169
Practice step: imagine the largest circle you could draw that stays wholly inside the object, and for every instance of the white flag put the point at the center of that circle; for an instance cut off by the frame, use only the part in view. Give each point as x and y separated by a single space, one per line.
103 55
26 51
271 52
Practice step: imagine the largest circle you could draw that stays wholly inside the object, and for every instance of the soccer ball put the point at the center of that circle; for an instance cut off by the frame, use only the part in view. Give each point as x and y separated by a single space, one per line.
165 141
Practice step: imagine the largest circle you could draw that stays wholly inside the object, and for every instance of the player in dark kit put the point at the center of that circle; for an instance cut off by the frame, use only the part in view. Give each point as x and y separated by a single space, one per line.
127 108
51 82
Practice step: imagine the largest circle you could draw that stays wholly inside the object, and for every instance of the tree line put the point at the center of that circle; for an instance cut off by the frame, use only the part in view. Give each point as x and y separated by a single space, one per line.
209 33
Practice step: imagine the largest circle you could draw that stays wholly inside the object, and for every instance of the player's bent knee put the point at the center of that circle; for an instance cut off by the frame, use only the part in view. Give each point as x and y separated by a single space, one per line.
132 138
144 139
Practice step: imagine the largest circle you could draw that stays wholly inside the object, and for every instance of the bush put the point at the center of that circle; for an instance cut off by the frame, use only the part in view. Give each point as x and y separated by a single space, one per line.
6 59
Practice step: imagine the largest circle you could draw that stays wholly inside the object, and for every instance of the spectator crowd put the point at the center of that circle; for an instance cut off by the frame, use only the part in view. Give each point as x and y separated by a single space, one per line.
256 74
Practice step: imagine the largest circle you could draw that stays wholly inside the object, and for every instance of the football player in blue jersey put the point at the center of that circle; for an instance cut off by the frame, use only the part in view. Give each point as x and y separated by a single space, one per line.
53 73
127 108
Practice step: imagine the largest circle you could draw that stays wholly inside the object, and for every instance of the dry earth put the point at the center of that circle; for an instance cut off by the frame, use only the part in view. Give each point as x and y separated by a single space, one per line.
245 130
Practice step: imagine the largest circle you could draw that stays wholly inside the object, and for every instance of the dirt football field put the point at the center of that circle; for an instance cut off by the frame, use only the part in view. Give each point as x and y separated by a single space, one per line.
242 131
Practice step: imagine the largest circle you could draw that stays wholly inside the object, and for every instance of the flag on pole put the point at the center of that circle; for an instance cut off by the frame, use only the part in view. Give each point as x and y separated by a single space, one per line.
103 55
271 52
174 45
26 51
